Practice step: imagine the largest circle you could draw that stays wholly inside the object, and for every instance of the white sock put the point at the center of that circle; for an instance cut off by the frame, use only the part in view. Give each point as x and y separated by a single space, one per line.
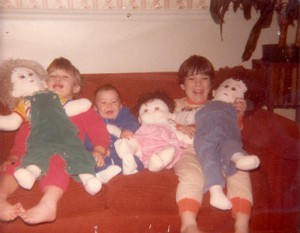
245 162
218 199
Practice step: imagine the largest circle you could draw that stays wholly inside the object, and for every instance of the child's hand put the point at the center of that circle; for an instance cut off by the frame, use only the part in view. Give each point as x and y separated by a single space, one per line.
187 129
240 106
126 134
99 154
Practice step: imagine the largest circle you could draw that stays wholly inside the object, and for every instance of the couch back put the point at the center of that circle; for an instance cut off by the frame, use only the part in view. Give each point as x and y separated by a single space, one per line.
132 85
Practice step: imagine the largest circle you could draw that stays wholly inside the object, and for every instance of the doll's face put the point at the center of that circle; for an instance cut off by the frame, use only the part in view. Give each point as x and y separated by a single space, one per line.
229 91
25 82
154 112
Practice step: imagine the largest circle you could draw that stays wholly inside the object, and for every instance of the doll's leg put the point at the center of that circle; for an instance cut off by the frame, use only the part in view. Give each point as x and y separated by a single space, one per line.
53 185
162 159
126 148
108 173
189 192
239 191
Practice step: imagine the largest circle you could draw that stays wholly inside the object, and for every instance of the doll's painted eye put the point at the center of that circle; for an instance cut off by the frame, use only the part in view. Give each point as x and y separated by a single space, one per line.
145 110
233 88
156 108
226 86
22 77
30 74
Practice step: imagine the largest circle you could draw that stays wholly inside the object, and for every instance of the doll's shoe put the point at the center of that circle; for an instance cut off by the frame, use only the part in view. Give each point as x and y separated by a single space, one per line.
25 178
107 174
247 162
35 170
91 183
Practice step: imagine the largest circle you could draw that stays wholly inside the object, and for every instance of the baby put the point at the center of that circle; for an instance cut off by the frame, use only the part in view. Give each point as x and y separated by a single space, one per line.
120 123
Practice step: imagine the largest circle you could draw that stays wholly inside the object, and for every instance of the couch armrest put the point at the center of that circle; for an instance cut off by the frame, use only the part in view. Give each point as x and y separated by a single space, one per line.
276 142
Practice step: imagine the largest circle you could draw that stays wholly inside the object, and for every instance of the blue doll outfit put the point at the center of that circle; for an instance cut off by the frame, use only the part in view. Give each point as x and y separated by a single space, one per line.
217 138
53 133
125 121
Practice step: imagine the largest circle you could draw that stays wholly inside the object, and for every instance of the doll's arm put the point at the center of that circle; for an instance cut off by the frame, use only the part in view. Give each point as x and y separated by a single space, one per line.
114 130
10 122
184 137
76 107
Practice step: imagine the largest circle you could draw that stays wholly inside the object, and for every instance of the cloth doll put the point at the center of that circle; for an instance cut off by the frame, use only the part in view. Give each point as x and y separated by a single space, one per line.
23 89
218 141
157 142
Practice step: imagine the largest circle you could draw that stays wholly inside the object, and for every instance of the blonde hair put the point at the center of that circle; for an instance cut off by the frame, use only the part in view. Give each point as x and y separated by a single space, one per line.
6 86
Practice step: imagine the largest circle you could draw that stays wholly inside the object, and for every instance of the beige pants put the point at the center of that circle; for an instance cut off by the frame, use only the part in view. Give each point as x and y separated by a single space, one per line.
191 180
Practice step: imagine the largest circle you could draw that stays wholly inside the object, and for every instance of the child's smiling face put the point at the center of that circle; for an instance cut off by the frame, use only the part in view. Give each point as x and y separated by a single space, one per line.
62 83
197 87
108 104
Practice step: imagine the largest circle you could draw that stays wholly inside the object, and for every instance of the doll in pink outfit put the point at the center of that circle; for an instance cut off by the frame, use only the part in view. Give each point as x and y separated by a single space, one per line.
157 142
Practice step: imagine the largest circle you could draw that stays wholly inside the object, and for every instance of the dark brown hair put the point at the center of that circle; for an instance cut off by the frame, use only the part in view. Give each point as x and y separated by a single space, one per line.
158 94
195 65
107 87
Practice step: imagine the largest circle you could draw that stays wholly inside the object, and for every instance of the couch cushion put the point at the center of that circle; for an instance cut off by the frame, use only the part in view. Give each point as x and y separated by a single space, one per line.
143 193
76 201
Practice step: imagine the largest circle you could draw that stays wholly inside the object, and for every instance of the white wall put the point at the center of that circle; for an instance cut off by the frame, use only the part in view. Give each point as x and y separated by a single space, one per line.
123 41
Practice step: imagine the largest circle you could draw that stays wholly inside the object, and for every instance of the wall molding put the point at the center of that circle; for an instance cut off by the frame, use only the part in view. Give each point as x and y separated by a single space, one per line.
111 15
96 15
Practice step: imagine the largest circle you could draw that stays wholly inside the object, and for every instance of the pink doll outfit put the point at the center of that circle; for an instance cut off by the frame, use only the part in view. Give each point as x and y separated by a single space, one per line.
152 138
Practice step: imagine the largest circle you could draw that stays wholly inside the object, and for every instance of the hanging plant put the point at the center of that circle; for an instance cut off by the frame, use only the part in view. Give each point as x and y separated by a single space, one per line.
288 11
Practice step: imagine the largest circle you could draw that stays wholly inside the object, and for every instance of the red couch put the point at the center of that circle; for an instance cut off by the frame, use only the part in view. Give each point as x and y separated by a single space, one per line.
145 202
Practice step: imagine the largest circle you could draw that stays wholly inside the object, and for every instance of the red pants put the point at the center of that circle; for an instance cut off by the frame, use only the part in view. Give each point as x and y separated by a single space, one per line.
56 174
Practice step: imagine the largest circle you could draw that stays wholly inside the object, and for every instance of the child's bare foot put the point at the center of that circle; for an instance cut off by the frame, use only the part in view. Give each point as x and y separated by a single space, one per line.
191 229
42 212
9 212
241 223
